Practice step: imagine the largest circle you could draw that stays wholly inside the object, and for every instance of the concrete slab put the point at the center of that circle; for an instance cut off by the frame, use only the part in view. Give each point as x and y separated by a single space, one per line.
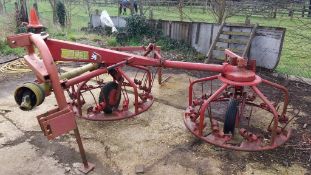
23 159
27 120
8 131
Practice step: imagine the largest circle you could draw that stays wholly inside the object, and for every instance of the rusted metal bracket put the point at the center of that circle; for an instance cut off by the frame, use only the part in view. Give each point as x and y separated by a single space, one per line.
57 122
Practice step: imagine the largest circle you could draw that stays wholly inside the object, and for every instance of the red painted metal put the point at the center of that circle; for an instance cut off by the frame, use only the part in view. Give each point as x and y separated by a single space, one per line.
195 66
61 120
194 119
37 66
57 122
286 98
50 66
236 73
190 97
84 77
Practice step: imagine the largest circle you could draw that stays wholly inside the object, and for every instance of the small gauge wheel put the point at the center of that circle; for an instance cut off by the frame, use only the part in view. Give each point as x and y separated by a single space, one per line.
109 94
230 118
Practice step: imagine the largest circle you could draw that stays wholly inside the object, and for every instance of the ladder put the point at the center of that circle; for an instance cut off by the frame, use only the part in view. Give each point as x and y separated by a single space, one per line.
241 40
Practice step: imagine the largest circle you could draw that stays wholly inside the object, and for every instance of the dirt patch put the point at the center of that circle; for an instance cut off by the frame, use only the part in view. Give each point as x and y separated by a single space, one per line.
61 150
298 148
7 58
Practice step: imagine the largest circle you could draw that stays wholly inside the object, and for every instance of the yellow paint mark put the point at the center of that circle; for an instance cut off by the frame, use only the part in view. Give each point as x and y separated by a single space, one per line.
74 54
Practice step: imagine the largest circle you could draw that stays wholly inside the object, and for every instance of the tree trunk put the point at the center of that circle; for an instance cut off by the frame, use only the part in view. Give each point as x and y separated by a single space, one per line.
4 6
150 14
1 7
35 5
291 11
88 8
132 7
191 5
23 11
89 11
141 7
53 6
309 13
205 6
221 11
180 7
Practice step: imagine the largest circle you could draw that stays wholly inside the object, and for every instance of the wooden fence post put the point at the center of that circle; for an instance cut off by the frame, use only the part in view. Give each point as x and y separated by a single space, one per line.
180 8
151 13
141 7
1 7
204 6
275 9
291 11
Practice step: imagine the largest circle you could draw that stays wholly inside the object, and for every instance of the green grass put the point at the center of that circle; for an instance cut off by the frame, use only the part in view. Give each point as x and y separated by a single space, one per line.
112 41
6 50
295 58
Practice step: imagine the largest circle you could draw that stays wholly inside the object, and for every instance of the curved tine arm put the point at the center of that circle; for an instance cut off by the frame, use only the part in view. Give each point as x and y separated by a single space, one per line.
158 56
197 81
205 105
148 74
134 88
273 110
49 63
79 94
285 91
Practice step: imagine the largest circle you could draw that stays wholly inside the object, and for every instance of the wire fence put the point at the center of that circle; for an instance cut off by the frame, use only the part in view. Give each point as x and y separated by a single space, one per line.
291 8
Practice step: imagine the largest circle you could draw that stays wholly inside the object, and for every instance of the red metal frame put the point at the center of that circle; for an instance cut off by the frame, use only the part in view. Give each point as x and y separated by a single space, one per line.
236 73
194 119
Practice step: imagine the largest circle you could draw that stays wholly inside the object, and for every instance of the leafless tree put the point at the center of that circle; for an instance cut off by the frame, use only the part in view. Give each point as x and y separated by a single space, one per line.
141 7
222 9
69 7
53 6
132 7
180 9
88 7
1 7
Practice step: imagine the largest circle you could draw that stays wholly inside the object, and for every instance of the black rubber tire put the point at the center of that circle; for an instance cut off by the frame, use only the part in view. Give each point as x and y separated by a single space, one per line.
230 118
104 96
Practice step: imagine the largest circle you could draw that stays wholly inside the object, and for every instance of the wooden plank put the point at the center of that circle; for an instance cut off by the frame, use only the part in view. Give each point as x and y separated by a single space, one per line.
232 49
220 58
197 34
239 25
236 33
210 51
189 34
250 41
233 41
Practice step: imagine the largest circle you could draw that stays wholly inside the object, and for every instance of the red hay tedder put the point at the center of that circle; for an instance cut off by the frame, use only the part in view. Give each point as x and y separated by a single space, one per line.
238 88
